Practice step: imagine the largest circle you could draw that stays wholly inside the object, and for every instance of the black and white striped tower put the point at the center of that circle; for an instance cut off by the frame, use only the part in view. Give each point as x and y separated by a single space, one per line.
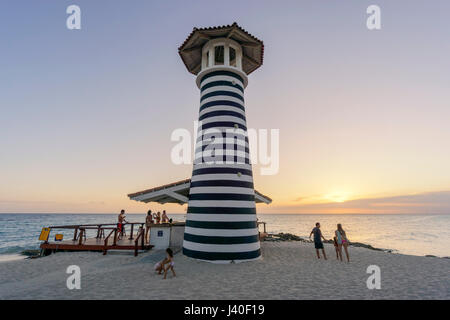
221 219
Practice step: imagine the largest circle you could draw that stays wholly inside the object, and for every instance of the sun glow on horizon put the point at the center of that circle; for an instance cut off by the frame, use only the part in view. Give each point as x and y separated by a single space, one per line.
338 196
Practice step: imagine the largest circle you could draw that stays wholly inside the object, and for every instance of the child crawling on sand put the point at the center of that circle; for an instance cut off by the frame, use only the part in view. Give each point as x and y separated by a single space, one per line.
166 264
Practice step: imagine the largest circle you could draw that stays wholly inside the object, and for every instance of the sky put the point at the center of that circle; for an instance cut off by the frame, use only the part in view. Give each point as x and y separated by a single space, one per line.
86 116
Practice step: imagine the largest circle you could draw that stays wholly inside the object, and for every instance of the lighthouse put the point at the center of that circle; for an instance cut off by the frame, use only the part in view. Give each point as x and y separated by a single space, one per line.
221 224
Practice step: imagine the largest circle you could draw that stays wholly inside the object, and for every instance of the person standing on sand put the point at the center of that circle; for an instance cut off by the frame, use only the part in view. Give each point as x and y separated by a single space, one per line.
318 240
342 241
148 224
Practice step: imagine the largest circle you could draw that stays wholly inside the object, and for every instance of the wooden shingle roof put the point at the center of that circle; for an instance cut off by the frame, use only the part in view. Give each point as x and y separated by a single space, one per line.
252 48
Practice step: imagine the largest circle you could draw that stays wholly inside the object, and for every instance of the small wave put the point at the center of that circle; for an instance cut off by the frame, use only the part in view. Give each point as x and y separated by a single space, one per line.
16 249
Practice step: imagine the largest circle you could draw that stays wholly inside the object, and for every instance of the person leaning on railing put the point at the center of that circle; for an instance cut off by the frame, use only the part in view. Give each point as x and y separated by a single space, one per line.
121 223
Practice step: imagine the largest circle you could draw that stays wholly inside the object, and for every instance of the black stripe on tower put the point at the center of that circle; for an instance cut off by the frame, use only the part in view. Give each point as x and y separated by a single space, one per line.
222 255
222 170
225 124
220 240
222 93
224 147
222 196
222 103
222 183
234 225
223 84
222 113
221 210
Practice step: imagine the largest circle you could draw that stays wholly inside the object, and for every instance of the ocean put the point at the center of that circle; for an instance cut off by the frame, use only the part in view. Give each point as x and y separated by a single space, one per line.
407 234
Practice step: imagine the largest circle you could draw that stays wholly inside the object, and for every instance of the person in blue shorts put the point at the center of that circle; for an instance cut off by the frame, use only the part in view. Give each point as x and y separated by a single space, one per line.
318 244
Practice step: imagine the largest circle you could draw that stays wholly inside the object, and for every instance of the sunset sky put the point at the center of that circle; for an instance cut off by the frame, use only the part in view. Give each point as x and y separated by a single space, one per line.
364 116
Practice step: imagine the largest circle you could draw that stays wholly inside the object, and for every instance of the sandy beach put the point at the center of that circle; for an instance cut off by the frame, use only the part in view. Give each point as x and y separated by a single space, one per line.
288 270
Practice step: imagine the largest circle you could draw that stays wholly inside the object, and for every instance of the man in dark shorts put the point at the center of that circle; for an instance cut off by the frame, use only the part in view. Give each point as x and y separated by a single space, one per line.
318 240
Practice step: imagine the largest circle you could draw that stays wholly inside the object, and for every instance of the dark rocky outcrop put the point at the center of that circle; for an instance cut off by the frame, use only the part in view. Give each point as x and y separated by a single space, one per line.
292 237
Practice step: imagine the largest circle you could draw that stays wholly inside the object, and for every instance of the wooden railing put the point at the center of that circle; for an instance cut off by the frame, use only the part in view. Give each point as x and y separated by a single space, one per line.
140 236
80 230
107 239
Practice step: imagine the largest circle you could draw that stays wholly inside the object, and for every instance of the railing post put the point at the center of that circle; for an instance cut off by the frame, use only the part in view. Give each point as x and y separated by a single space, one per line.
136 248
142 236
80 241
115 237
75 234
131 233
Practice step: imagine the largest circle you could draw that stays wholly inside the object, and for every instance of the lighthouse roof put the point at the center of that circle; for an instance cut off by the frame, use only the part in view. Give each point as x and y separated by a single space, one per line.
252 48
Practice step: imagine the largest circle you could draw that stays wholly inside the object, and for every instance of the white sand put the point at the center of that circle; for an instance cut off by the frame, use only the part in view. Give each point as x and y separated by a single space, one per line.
288 270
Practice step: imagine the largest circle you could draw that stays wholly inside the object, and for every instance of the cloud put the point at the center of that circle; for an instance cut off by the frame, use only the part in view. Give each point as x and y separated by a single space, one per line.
429 202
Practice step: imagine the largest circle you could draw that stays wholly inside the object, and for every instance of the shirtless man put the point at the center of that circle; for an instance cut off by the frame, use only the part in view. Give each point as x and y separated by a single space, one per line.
121 223
318 240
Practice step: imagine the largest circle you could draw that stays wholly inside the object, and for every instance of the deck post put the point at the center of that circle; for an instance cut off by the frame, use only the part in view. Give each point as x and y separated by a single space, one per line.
131 232
75 234
115 237
142 236
82 231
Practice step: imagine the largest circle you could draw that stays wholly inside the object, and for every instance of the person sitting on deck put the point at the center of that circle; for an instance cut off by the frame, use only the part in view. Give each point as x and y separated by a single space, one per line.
121 223
165 218
148 223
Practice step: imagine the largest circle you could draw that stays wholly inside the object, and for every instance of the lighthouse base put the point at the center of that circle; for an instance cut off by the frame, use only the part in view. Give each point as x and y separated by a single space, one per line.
223 257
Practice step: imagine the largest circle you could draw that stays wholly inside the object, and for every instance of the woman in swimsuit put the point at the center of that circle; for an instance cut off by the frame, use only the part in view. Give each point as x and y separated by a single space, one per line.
342 241
157 217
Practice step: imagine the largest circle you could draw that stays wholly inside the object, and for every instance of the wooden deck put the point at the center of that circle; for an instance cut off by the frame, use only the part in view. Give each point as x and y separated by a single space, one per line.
93 244
103 242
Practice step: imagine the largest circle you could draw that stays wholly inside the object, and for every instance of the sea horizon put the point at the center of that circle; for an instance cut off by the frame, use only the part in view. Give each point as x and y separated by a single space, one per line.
411 234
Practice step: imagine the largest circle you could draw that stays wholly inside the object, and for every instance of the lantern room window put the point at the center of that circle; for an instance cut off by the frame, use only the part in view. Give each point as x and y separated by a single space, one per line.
219 55
232 57
221 52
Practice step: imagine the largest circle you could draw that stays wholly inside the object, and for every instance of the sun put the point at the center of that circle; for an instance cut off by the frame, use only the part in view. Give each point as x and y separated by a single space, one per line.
338 196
